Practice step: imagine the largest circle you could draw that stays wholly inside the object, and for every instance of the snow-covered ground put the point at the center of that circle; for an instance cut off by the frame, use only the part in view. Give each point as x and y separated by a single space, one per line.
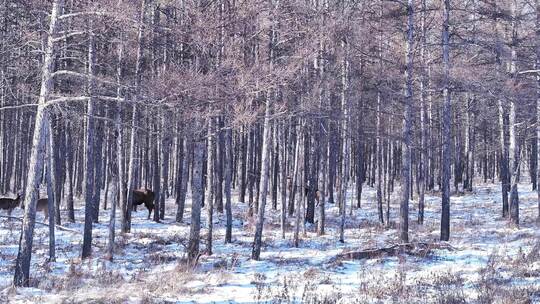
491 261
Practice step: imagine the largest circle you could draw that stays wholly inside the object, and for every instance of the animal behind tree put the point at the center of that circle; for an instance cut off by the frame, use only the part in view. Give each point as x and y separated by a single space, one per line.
42 205
9 204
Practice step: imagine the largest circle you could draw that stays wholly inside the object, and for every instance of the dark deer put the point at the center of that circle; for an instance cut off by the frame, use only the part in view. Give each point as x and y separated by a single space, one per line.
42 205
10 203
144 196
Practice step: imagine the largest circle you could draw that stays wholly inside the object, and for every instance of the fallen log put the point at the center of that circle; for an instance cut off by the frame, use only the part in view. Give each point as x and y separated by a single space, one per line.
414 249
41 223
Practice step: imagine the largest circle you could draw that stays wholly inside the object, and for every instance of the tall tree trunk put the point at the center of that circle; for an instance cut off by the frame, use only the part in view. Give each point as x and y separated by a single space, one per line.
70 173
344 178
446 125
515 148
186 162
219 160
538 105
298 180
164 168
50 178
22 267
210 184
243 165
423 166
407 125
283 166
197 200
131 183
378 158
156 174
113 197
265 172
89 207
55 136
228 181
119 140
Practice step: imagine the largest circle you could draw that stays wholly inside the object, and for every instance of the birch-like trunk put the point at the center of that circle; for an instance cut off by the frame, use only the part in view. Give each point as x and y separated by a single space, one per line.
126 226
70 173
265 172
50 179
298 180
186 162
446 125
283 166
344 178
423 166
515 148
210 184
22 267
197 200
113 197
407 125
89 211
156 174
228 181
537 2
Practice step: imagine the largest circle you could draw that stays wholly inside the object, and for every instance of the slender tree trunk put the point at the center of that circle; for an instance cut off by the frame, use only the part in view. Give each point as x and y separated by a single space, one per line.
55 139
89 179
298 176
515 149
70 174
186 162
407 125
210 184
344 178
219 160
283 166
378 157
243 165
446 125
50 191
131 183
538 105
197 200
113 197
156 174
22 267
119 141
228 181
265 172
423 119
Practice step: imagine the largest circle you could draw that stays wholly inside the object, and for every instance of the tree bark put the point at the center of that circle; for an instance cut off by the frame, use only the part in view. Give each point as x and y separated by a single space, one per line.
22 267
197 200
446 125
228 181
89 207
265 172
50 179
186 162
407 125
210 184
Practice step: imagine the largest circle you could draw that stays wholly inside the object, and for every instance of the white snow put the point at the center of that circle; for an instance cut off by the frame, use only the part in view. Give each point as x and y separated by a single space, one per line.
148 263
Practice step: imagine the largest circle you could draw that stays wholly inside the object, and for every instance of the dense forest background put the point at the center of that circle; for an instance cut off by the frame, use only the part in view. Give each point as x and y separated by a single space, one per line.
285 106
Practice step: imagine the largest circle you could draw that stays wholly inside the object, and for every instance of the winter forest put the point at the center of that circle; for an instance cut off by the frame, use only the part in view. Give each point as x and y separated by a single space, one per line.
269 151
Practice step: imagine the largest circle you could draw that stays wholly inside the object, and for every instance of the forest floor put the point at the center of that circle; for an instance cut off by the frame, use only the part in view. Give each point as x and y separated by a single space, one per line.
486 261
